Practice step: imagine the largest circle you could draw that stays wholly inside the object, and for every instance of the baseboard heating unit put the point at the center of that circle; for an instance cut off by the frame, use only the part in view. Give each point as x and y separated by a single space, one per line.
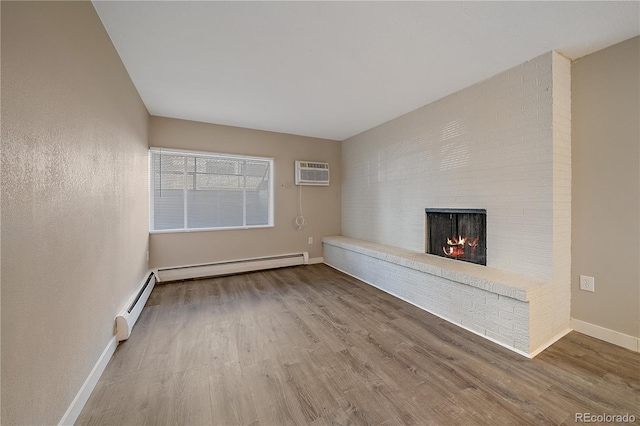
127 318
231 267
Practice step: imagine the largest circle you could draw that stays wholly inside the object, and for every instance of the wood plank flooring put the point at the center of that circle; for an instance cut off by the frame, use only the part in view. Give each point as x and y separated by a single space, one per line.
312 346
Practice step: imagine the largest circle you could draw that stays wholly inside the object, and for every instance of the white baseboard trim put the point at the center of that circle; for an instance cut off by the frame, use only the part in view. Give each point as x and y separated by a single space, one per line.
237 266
610 336
550 342
315 260
89 384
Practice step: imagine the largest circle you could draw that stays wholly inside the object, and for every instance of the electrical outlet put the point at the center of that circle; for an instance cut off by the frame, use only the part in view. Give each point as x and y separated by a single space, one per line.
310 240
587 283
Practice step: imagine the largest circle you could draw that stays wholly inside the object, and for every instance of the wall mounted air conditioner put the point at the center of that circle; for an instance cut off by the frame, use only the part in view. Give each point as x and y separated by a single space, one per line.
312 173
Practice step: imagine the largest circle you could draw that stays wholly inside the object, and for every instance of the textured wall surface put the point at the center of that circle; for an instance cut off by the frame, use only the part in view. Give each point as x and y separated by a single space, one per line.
556 309
321 205
606 187
488 146
74 202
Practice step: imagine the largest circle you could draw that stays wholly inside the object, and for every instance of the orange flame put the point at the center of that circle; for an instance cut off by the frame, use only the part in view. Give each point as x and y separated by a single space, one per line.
456 246
456 242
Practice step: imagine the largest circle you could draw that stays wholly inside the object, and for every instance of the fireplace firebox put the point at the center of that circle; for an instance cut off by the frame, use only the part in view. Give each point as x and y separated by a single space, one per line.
459 234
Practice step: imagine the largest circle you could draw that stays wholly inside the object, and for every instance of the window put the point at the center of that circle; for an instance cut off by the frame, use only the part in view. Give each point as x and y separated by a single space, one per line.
204 191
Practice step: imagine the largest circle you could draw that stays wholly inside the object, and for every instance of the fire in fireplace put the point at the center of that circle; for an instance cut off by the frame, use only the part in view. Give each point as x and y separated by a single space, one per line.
459 234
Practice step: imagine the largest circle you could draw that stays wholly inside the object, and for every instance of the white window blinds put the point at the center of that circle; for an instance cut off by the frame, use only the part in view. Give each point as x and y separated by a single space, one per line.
200 191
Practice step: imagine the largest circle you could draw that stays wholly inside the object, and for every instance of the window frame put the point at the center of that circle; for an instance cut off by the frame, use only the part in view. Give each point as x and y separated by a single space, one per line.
205 154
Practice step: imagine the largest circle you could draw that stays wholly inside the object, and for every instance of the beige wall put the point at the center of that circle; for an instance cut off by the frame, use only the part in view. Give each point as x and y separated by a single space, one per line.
321 205
606 187
74 202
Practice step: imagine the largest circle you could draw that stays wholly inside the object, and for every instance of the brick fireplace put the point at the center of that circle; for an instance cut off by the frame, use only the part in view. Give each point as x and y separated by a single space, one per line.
503 144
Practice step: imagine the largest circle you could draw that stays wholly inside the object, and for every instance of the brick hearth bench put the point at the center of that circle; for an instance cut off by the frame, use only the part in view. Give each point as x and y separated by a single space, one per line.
501 306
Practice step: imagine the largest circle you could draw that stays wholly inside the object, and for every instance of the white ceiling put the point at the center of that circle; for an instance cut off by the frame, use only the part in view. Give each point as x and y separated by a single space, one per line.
335 69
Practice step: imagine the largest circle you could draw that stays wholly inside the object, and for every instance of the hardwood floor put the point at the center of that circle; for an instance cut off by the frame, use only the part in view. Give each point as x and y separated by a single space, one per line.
312 346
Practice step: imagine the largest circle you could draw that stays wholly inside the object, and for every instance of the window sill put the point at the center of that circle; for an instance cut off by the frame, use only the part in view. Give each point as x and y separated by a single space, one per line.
230 228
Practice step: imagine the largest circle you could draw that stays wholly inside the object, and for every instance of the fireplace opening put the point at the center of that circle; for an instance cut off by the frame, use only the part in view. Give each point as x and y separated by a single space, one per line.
459 234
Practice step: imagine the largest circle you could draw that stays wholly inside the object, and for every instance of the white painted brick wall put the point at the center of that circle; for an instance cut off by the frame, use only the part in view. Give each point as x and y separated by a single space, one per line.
488 146
554 308
504 145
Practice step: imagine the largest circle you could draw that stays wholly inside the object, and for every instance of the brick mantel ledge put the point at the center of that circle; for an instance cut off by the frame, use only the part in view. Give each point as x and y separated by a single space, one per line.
497 281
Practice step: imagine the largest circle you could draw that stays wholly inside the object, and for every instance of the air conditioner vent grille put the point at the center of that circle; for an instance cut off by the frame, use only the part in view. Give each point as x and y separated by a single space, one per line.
312 173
